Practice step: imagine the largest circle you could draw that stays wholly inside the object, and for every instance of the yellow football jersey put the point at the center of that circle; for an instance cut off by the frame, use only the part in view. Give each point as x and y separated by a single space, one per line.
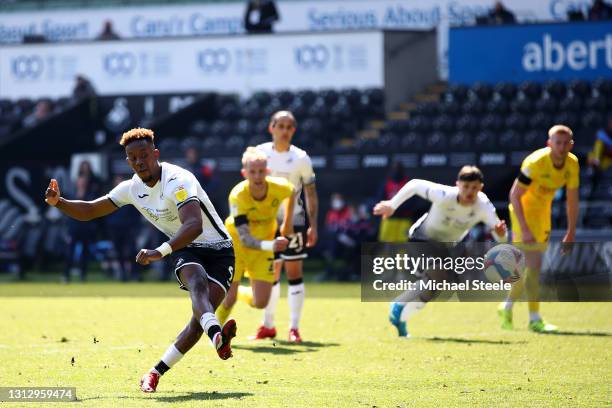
542 179
261 215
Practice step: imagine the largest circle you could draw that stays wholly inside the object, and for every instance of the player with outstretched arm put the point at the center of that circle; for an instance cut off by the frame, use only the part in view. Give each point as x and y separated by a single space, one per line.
454 211
171 199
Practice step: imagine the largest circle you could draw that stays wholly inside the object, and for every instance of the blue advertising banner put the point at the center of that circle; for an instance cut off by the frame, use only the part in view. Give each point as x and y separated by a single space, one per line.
538 52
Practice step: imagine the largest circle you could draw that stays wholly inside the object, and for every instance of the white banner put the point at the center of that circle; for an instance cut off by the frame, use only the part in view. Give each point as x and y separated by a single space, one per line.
227 18
228 64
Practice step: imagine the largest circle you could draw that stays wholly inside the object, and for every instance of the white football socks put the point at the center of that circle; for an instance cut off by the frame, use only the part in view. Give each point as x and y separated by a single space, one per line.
208 321
170 358
410 309
271 307
295 296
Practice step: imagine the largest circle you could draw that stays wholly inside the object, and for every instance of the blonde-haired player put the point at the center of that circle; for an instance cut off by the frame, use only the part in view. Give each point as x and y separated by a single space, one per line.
254 203
542 173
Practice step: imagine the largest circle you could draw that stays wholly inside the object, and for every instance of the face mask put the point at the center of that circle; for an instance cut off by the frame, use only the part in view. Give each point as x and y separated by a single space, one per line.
337 203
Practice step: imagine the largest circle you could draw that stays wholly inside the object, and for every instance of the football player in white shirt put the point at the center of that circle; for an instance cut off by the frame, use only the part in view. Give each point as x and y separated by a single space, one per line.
172 200
454 211
288 161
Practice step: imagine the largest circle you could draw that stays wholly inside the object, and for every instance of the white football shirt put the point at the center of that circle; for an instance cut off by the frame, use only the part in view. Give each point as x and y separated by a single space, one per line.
295 166
447 220
160 204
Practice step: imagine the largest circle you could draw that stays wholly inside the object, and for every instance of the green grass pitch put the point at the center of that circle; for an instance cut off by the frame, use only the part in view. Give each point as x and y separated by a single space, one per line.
351 358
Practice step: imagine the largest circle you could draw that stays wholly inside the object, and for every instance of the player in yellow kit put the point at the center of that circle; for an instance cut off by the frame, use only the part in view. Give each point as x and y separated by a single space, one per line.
254 203
542 173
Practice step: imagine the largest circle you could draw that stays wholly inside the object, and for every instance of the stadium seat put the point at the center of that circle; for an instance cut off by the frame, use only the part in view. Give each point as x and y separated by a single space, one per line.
330 96
235 144
419 124
262 98
24 106
436 142
221 128
307 97
251 109
298 108
467 123
388 142
522 104
516 121
596 103
170 146
529 90
539 120
245 127
484 141
457 93
261 127
534 139
592 120
580 88
229 111
426 109
498 105
602 86
189 141
319 108
492 122
412 142
547 104
473 107
211 144
567 118
352 96
312 127
6 106
375 97
460 142
257 139
285 97
571 103
397 126
444 123
603 191
505 90
274 106
555 89
480 91
342 109
200 128
451 108
510 140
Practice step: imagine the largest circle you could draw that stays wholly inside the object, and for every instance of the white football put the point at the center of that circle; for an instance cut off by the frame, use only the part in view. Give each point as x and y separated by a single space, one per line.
504 262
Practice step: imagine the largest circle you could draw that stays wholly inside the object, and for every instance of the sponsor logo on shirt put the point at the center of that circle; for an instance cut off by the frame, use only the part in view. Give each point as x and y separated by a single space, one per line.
180 193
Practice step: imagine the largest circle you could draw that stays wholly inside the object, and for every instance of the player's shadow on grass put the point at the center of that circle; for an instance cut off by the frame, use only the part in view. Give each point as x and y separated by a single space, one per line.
575 333
470 341
276 347
202 396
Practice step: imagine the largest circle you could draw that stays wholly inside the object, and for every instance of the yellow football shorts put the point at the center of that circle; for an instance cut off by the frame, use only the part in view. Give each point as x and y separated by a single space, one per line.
254 264
538 221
